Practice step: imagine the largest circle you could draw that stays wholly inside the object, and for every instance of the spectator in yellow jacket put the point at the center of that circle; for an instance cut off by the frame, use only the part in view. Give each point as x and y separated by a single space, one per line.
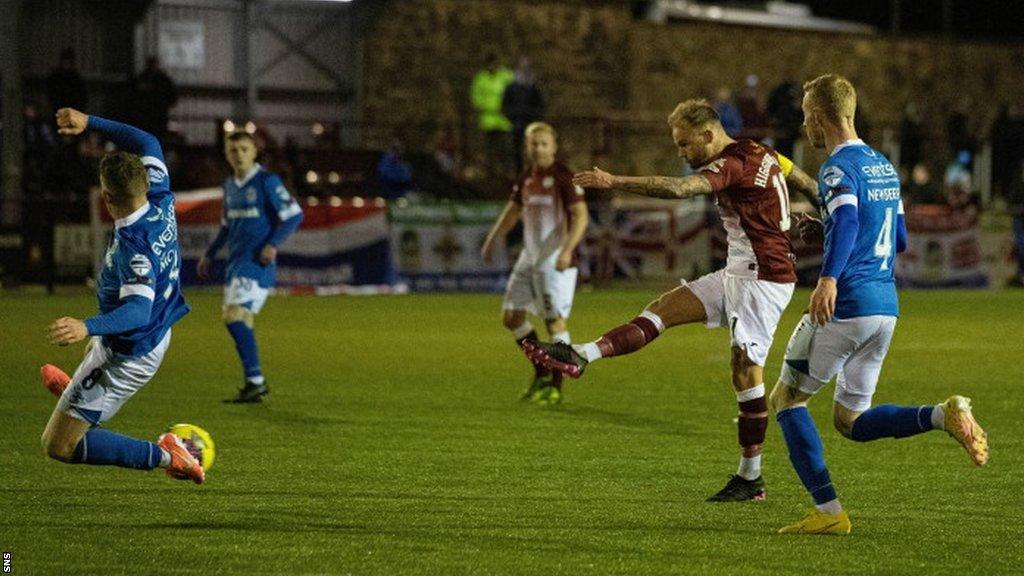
488 87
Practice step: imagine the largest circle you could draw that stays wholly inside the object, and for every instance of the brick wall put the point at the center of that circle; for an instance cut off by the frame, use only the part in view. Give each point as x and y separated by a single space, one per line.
612 80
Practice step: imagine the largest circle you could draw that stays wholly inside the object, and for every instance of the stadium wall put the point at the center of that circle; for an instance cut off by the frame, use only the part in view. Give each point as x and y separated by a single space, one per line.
597 64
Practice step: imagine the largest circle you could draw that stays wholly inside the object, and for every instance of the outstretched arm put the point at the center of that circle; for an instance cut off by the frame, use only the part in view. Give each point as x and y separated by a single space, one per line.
72 122
672 188
130 138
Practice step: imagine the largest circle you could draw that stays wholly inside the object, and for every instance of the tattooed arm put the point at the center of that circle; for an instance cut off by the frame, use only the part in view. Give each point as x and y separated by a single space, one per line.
807 187
672 188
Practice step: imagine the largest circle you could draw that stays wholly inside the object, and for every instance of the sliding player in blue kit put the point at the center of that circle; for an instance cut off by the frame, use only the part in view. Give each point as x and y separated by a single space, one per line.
139 299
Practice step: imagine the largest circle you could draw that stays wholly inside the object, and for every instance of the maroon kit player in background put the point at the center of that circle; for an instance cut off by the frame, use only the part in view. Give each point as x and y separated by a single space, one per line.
750 183
543 280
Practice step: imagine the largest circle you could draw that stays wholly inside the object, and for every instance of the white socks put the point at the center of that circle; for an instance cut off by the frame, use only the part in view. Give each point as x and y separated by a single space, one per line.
750 468
589 351
562 337
523 331
938 417
655 319
165 458
832 507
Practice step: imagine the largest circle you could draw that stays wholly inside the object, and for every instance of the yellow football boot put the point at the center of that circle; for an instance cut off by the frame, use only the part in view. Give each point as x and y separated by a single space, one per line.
820 523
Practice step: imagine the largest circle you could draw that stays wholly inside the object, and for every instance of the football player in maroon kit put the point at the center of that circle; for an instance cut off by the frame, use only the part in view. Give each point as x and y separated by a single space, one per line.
543 280
750 184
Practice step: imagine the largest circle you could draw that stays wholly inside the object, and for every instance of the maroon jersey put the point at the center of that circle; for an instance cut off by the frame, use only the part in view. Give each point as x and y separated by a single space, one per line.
750 190
545 195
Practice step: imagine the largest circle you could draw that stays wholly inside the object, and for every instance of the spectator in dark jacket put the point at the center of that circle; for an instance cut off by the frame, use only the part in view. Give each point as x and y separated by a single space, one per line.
522 104
911 136
728 112
394 173
785 115
65 87
1015 206
153 94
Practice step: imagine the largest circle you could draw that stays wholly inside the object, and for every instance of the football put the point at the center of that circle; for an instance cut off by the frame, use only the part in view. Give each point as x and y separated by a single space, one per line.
197 441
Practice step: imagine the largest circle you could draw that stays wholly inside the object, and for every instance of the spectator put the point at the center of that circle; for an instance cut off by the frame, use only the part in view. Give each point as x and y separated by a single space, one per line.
862 122
911 136
785 115
755 123
153 93
728 112
522 104
1007 137
441 174
40 147
446 153
958 183
958 133
486 93
65 87
921 189
394 173
1015 206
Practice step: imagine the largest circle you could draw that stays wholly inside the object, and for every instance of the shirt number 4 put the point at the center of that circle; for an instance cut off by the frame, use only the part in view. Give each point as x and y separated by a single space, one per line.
883 245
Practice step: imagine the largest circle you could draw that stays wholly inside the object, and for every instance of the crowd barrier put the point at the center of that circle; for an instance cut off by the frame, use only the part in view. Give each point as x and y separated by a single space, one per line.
367 245
943 249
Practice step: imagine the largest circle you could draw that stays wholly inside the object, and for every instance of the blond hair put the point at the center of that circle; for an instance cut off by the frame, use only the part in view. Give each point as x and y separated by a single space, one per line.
832 96
694 113
538 127
124 177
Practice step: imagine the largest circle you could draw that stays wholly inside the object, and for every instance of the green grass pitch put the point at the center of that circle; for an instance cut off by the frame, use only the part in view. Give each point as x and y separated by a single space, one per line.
393 443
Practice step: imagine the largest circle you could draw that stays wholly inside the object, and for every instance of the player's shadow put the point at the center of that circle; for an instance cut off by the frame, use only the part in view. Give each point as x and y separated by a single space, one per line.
625 420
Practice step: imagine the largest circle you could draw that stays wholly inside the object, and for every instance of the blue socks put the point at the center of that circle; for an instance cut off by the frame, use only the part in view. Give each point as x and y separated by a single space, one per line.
245 343
891 421
806 452
101 447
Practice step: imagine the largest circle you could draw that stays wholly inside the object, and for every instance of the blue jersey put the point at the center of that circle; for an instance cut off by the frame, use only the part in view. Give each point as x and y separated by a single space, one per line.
258 210
143 258
859 176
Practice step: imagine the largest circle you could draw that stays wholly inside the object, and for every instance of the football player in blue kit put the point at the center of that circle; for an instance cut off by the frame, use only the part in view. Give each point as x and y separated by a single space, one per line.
852 312
139 299
259 214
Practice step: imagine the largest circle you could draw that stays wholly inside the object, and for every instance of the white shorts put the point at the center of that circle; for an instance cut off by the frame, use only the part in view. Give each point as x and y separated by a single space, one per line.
853 348
751 308
543 291
104 381
245 292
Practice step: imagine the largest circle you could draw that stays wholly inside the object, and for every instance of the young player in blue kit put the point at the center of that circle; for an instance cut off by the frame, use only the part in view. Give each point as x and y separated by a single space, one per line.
259 214
852 313
139 299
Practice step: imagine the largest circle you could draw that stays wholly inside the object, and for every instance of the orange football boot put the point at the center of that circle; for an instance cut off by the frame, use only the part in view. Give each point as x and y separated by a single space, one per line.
54 379
184 465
